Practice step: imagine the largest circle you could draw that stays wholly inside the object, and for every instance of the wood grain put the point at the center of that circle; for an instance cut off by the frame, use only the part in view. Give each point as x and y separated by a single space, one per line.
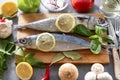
87 56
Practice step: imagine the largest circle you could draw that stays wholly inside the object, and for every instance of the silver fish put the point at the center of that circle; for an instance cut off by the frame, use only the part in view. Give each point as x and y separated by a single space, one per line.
64 42
48 24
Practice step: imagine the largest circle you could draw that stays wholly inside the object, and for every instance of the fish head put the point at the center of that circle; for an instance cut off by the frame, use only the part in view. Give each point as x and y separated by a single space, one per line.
102 22
90 21
23 42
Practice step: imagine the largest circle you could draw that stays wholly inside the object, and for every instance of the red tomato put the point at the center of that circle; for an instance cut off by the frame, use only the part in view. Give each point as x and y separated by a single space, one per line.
82 5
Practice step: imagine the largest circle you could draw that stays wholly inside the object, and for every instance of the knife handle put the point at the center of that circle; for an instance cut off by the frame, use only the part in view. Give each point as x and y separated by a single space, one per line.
116 61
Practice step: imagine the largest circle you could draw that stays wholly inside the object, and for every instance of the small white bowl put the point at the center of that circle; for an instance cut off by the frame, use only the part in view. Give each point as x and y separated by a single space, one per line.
50 7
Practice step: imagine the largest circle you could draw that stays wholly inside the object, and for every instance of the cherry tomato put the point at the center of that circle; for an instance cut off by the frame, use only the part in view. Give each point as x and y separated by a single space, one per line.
82 5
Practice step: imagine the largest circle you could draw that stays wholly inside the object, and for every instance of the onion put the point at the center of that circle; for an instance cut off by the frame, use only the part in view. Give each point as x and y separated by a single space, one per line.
68 71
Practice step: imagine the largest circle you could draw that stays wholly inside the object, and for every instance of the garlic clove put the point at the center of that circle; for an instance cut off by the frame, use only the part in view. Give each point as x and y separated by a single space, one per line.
97 68
104 76
90 76
68 71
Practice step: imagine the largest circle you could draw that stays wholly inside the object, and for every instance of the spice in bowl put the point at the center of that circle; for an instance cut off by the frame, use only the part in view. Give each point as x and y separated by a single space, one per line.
55 5
5 28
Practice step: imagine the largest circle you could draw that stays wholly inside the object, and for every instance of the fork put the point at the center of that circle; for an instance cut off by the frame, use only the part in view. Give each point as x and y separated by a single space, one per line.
117 30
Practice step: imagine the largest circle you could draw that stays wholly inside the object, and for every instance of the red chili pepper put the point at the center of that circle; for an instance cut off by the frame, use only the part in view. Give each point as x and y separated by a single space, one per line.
2 20
47 73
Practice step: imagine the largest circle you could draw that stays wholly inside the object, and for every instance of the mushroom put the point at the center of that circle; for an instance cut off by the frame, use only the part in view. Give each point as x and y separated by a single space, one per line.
68 71
104 76
90 76
97 68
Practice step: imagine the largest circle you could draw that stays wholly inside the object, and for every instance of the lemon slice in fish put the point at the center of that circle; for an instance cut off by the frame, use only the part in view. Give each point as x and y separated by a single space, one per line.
9 8
45 42
65 22
24 70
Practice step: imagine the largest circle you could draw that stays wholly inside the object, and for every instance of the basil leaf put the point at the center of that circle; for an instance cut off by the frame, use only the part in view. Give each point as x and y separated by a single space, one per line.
29 55
94 37
101 41
22 60
82 30
73 55
108 39
57 58
95 46
19 52
35 62
100 30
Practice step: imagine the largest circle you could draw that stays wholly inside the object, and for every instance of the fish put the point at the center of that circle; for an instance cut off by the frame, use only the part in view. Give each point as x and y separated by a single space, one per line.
64 42
48 24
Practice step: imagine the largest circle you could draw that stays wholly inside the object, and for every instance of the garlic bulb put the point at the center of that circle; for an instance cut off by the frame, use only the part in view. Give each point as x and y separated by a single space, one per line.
97 68
90 76
68 71
104 76
5 29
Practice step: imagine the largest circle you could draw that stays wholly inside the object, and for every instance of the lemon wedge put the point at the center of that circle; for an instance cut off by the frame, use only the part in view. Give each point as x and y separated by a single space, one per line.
45 42
24 70
65 22
9 8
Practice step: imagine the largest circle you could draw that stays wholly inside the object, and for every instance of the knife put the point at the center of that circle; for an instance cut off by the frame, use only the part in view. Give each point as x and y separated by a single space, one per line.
116 58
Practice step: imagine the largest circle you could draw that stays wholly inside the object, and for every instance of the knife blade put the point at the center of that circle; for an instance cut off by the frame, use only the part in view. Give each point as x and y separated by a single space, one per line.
116 58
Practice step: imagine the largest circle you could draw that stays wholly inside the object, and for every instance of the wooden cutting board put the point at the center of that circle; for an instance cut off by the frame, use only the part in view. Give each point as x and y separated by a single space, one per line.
87 56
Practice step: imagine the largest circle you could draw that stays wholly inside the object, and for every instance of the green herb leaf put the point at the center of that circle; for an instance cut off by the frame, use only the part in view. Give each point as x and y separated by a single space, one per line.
3 44
94 37
6 49
10 47
57 58
33 61
22 60
95 46
29 55
101 41
36 63
3 65
100 30
73 55
19 52
108 39
82 30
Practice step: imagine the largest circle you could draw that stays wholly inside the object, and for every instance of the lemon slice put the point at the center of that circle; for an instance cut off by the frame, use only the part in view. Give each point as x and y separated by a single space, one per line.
0 12
65 22
9 8
45 42
24 70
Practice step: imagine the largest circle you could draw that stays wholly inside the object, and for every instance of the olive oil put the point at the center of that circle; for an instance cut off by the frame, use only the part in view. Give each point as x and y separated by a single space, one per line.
111 8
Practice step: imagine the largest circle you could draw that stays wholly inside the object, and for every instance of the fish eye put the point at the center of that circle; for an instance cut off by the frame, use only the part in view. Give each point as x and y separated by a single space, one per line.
23 41
101 21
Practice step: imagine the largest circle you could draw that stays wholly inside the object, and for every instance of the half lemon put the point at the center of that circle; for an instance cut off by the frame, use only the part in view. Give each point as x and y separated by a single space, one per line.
9 8
65 22
24 70
45 42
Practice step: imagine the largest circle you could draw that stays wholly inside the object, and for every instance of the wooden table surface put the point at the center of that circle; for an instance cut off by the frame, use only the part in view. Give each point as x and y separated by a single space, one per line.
38 73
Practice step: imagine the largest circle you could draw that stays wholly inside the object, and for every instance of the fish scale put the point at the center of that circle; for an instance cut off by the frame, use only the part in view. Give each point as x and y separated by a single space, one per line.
48 24
64 42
